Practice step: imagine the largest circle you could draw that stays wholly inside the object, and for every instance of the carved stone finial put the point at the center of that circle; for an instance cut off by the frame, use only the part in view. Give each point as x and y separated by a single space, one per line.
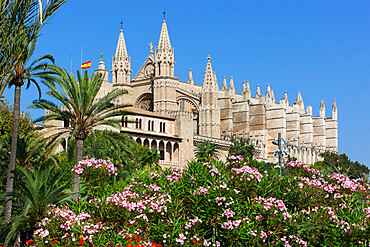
101 56
151 47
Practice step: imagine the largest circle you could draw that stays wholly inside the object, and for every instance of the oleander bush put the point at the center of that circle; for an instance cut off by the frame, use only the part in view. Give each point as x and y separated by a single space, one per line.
235 203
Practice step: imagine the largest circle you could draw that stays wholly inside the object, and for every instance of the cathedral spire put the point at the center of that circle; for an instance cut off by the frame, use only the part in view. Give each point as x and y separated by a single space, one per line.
121 62
322 108
164 54
209 111
121 50
208 75
164 42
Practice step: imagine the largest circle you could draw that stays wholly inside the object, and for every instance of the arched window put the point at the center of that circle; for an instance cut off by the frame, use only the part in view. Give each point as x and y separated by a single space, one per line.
149 125
126 122
136 123
152 125
140 123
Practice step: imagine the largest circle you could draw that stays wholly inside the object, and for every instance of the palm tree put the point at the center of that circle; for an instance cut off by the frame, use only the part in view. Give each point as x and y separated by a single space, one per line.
24 72
206 151
37 188
80 109
20 23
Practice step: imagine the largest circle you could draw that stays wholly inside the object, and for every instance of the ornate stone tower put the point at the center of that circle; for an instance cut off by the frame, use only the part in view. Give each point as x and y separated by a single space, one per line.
165 84
209 110
121 62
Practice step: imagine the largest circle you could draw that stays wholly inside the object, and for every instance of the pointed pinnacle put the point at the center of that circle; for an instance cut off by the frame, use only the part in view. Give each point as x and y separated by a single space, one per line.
334 106
208 75
248 86
224 84
322 108
322 104
121 51
231 86
272 94
164 42
299 97
285 96
215 78
190 78
258 93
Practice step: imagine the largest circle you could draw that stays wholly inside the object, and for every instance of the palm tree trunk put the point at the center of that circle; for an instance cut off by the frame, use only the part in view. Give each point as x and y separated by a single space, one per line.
77 178
13 154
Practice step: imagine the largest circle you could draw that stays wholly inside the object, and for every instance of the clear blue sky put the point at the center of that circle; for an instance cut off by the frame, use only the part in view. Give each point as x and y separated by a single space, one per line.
321 48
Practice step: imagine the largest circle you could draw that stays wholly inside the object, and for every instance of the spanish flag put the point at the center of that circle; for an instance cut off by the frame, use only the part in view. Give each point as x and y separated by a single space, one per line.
86 65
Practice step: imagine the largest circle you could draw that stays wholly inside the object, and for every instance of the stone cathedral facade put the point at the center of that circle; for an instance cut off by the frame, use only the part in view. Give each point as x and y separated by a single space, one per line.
172 115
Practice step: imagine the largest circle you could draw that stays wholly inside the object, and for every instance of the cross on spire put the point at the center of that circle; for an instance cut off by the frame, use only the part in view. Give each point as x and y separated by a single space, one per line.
164 14
121 24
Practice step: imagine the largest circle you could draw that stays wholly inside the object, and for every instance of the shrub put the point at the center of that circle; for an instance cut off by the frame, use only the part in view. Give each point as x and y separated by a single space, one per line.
219 204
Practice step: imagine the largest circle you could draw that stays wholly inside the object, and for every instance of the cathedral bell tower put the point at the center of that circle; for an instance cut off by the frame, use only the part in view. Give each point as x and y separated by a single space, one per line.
165 84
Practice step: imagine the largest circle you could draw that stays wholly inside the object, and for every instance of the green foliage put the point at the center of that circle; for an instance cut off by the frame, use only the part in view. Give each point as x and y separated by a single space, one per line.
31 152
20 24
206 151
146 157
6 120
241 146
121 149
230 204
35 189
31 148
340 163
81 110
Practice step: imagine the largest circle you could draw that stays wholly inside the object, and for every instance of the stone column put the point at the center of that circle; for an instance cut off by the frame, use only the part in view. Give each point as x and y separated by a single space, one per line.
150 143
172 147
165 150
